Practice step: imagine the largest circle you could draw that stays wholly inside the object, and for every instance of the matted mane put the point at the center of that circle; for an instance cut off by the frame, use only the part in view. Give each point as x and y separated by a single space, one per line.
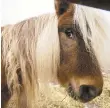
94 25
30 48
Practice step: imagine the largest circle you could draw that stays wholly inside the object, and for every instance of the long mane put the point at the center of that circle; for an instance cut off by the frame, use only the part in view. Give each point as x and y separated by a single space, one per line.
94 25
30 49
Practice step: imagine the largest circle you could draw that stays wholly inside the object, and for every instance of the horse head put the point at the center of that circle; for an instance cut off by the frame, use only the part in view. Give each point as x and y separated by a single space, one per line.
79 69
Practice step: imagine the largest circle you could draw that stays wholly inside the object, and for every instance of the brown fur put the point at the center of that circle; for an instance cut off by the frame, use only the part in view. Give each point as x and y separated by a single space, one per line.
78 63
75 56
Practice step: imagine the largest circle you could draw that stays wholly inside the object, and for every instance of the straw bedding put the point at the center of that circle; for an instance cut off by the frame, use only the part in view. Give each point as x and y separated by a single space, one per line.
58 98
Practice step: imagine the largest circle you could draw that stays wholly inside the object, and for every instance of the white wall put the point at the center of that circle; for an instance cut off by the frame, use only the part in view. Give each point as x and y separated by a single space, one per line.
16 10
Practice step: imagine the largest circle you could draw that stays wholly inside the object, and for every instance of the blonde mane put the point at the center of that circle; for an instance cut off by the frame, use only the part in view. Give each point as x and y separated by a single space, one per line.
30 48
98 22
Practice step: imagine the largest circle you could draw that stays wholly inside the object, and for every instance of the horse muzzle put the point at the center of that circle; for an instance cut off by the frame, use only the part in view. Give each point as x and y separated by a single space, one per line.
84 93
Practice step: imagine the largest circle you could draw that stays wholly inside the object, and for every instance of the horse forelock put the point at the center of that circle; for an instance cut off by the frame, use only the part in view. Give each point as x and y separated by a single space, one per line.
48 51
94 26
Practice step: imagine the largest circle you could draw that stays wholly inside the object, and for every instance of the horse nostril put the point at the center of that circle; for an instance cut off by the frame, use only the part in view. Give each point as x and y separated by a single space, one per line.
87 93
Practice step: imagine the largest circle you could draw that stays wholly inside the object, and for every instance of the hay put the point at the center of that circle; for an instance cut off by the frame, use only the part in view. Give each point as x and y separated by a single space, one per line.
58 98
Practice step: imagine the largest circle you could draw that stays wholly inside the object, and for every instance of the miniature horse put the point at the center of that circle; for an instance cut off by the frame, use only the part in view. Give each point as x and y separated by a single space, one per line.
60 46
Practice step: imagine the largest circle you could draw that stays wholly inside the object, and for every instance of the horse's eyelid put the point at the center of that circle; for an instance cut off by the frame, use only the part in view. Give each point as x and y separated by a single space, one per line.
64 29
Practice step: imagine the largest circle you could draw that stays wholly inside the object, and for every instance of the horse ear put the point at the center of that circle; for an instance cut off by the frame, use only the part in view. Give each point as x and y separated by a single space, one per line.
61 6
65 13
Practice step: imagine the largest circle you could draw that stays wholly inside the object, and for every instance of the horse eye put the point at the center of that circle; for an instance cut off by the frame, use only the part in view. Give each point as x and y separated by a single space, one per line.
69 33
